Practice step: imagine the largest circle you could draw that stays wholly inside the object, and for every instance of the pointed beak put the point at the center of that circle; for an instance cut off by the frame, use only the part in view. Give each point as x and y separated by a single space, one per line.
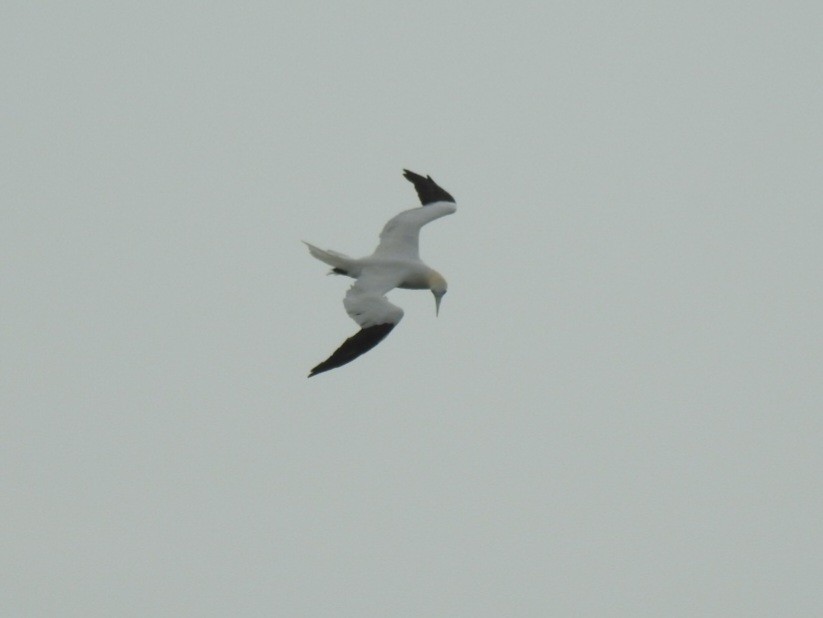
437 300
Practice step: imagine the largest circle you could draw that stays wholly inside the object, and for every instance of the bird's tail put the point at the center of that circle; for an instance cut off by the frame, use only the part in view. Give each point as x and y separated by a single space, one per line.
341 264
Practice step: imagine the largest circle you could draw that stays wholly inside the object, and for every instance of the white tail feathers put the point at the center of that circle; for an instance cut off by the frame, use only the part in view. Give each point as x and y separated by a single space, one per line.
341 264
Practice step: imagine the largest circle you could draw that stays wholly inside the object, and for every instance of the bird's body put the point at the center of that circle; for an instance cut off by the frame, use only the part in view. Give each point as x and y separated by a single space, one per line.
395 263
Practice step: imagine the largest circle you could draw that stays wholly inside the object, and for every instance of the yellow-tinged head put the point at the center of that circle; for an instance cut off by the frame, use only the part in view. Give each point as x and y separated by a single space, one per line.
438 286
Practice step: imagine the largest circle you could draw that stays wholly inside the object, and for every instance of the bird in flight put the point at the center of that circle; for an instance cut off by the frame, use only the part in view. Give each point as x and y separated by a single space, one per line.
395 263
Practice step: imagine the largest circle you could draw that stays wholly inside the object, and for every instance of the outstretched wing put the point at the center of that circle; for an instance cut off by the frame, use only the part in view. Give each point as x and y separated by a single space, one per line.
401 235
366 304
354 346
428 191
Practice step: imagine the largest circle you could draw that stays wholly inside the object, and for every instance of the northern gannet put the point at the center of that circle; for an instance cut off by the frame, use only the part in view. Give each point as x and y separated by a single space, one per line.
395 263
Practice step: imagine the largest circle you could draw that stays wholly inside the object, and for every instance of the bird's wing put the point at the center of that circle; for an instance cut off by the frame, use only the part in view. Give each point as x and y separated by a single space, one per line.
366 304
401 235
428 191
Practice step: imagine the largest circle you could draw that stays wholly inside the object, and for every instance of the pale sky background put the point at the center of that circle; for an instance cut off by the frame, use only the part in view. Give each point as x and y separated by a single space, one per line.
619 411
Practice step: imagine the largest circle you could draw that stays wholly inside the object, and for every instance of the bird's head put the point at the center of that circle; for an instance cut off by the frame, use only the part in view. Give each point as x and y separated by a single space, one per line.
438 286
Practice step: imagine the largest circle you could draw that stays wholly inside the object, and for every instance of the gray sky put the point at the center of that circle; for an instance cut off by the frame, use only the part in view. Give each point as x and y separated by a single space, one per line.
617 413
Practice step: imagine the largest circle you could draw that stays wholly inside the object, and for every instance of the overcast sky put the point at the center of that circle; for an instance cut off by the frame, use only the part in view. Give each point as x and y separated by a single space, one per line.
617 413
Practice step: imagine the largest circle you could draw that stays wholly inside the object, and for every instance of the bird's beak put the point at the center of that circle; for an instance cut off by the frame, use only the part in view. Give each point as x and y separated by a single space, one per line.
437 300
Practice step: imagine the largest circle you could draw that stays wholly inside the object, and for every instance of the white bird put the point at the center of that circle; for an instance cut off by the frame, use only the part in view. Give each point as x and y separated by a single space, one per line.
395 263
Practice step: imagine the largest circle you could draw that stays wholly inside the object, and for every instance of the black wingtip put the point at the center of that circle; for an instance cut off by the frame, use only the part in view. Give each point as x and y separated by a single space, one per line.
356 345
427 189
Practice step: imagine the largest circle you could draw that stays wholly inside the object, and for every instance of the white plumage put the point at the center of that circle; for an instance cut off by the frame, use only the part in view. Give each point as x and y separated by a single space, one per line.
395 263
